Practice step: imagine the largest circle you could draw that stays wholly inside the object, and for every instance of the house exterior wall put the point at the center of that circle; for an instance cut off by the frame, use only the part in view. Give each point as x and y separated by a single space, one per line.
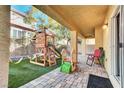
20 44
18 19
4 44
90 49
98 37
107 46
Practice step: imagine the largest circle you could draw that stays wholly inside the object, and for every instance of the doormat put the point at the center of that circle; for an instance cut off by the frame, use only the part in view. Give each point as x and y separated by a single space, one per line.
98 82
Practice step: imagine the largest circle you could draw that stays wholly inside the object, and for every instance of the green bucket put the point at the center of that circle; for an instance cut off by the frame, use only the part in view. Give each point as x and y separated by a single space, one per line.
66 67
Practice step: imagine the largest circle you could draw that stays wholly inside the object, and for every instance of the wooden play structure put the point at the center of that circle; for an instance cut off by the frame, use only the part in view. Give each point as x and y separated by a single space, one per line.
45 53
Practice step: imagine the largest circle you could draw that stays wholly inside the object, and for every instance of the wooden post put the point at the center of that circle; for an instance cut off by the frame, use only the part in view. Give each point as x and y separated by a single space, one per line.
4 44
74 49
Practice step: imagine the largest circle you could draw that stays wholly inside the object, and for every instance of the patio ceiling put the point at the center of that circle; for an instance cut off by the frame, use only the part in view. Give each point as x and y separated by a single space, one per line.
82 18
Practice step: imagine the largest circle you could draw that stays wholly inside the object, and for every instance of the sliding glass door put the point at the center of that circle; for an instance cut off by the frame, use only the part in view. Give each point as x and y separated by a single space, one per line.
118 45
121 45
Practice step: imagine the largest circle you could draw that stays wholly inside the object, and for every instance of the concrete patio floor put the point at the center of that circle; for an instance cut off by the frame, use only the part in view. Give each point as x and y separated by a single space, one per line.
57 79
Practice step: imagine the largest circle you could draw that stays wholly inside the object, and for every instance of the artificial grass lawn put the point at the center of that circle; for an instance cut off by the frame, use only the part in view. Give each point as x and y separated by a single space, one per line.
23 72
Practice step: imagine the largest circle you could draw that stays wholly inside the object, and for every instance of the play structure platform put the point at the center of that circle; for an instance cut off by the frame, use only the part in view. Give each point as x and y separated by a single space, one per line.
45 51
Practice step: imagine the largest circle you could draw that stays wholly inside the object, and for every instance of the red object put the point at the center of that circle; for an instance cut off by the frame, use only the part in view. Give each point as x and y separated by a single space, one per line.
97 53
91 57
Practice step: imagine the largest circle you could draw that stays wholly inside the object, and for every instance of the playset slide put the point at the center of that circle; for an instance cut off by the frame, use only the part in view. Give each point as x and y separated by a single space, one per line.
57 53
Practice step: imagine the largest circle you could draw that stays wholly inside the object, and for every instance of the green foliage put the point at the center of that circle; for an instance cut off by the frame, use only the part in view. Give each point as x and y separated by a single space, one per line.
32 20
60 31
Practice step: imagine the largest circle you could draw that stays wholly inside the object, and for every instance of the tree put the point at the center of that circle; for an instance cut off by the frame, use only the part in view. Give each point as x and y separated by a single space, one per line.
30 19
36 21
41 23
60 31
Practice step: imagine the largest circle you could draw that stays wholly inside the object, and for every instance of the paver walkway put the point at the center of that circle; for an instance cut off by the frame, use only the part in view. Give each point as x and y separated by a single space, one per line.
57 79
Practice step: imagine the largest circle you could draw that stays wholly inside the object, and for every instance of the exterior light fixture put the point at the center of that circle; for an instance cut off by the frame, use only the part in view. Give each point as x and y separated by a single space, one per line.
105 26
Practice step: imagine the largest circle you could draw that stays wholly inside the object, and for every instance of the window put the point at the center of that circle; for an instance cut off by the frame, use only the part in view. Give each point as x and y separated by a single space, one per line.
14 33
17 33
90 41
90 45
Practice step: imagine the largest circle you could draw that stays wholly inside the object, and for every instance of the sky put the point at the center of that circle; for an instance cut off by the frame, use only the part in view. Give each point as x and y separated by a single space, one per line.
26 8
22 8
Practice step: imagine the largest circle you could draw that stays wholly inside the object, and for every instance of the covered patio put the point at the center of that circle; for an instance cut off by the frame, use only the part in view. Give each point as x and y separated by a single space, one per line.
85 21
57 79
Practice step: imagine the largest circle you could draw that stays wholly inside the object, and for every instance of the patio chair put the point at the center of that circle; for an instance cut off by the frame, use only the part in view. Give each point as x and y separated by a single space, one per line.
92 57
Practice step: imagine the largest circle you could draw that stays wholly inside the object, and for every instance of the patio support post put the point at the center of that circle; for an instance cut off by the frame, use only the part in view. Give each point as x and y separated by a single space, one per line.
4 44
84 48
98 37
74 50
